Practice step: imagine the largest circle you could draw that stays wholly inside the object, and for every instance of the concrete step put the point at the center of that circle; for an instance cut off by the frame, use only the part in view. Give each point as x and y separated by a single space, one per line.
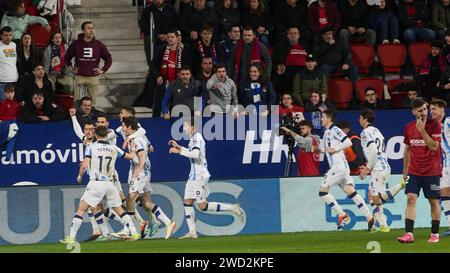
115 24
106 10
128 55
109 3
137 66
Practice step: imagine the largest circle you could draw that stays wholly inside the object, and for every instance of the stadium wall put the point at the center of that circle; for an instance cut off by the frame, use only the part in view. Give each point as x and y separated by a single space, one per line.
43 214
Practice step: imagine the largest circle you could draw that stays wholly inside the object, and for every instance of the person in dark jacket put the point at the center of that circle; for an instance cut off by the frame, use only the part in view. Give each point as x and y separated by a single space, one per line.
27 56
372 101
227 15
231 40
430 71
37 81
323 13
333 56
164 18
354 154
441 17
444 85
446 46
86 113
40 110
206 47
414 19
385 23
182 91
87 52
315 103
258 91
291 13
355 22
257 15
193 18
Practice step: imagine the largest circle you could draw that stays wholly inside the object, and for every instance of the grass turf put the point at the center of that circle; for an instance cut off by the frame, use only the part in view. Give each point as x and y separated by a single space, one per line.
309 242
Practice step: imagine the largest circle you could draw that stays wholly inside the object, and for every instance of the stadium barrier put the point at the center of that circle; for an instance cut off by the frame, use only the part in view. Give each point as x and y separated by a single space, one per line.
44 214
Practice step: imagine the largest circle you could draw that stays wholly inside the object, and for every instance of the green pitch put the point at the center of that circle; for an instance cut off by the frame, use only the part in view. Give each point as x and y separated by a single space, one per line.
315 242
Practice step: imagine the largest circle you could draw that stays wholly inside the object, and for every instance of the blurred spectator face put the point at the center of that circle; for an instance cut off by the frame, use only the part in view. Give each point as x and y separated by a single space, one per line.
327 36
235 34
435 51
409 1
412 95
311 65
172 39
158 3
185 76
9 94
447 39
89 131
254 73
89 30
26 40
253 4
38 101
221 74
286 101
445 2
39 72
207 65
57 39
179 37
227 4
199 4
314 98
248 36
7 37
291 2
86 106
371 96
102 121
206 36
322 3
382 4
293 35
21 9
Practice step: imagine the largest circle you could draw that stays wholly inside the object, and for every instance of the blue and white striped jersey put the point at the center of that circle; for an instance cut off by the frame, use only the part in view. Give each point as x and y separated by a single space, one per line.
142 144
333 136
373 135
199 167
445 143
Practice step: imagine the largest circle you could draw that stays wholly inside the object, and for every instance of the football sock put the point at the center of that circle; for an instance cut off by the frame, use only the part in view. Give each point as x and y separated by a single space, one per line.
378 212
409 225
445 202
76 223
357 199
331 202
190 217
215 206
128 222
159 214
435 226
101 223
95 229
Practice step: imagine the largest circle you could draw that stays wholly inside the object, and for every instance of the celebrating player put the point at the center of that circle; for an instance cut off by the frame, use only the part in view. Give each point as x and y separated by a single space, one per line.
339 174
197 184
422 168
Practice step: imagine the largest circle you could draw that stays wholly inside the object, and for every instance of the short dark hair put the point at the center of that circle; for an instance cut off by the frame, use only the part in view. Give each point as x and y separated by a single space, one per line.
6 29
185 67
439 103
417 102
85 23
220 65
248 28
9 88
207 27
343 124
368 114
368 88
230 28
330 114
130 122
38 93
174 31
130 110
85 98
101 131
103 115
89 122
38 64
205 57
305 123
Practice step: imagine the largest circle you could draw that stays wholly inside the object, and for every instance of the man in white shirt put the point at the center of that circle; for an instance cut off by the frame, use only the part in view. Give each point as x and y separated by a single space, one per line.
8 59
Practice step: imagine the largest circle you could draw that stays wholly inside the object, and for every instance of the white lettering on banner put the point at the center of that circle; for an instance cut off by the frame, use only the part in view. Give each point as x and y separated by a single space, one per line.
88 52
392 144
250 147
231 229
43 228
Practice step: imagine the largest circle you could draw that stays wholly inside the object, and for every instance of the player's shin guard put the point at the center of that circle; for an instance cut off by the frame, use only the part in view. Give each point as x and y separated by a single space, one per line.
190 217
159 213
331 202
101 223
445 202
378 213
359 202
95 229
388 194
76 223
215 206
126 219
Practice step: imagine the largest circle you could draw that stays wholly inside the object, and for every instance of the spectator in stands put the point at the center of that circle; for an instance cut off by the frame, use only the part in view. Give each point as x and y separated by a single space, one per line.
256 15
412 95
222 92
182 91
40 110
258 91
38 80
316 103
441 17
290 14
27 56
85 112
414 18
19 21
9 114
354 154
193 18
309 79
229 42
288 107
446 49
8 60
205 47
444 85
355 22
205 74
371 100
87 51
164 18
249 50
333 56
430 71
323 13
227 15
289 58
53 57
385 23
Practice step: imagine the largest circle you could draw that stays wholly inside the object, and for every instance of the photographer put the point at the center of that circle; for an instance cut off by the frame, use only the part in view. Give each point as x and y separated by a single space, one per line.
308 153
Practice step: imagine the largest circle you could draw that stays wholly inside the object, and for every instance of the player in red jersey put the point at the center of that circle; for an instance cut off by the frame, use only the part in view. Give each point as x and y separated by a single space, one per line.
422 168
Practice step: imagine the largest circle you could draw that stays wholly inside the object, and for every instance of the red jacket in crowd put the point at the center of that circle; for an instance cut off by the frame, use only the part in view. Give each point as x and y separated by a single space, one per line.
9 110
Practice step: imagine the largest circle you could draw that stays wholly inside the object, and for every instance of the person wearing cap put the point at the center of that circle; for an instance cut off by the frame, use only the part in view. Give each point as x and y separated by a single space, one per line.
333 56
441 17
288 58
310 78
430 71
355 22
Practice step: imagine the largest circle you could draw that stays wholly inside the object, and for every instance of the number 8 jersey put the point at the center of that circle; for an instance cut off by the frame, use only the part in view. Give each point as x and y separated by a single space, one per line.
373 135
103 159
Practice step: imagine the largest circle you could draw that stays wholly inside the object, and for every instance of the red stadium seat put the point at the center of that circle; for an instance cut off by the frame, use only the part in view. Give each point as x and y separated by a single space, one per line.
362 56
363 83
397 96
417 53
64 101
392 57
340 92
40 35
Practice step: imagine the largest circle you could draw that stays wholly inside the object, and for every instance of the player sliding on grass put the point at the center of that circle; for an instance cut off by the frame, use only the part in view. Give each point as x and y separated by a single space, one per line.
374 148
197 184
339 174
101 158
